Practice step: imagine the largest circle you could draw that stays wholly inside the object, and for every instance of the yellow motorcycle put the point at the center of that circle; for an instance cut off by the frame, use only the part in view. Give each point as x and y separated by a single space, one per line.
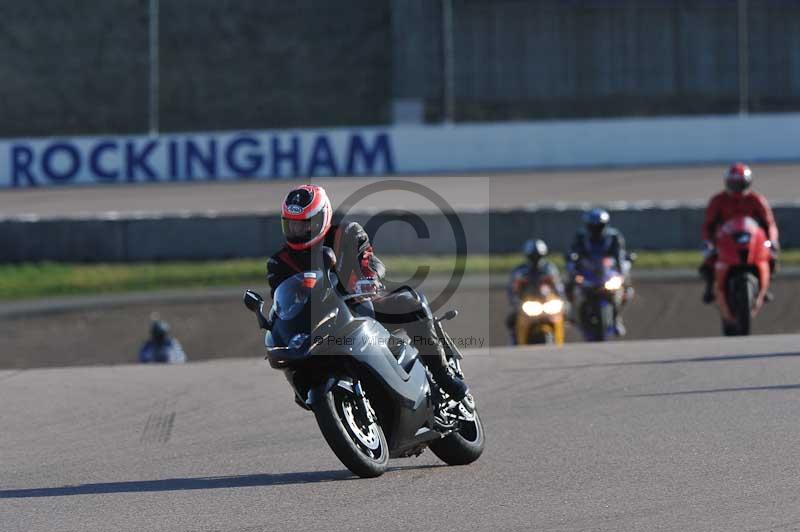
540 317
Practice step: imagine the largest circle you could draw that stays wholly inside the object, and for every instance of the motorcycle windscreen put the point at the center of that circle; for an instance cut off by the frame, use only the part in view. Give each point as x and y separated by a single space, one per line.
294 293
596 270
293 305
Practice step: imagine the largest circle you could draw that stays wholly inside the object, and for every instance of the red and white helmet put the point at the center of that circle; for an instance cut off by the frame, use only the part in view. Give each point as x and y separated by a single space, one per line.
739 178
306 216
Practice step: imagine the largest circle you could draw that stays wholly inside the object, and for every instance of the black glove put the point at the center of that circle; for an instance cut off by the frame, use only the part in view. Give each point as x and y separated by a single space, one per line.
350 242
354 239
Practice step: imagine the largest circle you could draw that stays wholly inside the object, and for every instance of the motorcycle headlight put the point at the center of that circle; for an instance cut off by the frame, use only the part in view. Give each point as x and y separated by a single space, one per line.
532 308
615 283
297 341
554 306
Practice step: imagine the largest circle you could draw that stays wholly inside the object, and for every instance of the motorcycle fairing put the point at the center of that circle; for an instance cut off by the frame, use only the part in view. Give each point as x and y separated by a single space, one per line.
595 271
347 344
741 244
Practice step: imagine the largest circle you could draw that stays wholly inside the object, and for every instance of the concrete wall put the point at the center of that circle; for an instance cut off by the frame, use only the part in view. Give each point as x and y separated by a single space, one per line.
210 237
138 239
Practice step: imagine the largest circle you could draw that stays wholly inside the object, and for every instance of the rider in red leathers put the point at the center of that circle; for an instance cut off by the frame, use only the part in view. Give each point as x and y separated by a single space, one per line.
735 201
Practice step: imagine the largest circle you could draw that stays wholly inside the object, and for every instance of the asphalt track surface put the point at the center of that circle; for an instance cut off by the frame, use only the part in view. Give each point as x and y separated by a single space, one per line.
684 434
695 184
680 435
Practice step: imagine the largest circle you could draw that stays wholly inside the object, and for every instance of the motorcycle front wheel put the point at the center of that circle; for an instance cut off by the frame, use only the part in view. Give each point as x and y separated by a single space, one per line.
742 291
543 334
745 296
596 320
358 443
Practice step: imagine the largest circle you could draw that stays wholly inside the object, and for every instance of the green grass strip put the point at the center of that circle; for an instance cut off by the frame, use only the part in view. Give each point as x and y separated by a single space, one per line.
58 279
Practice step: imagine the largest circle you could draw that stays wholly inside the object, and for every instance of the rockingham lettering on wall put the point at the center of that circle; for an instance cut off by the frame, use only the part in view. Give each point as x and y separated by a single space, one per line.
190 157
404 149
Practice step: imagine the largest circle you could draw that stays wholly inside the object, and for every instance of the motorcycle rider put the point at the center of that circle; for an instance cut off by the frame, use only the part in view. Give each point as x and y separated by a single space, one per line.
736 200
536 270
597 238
306 217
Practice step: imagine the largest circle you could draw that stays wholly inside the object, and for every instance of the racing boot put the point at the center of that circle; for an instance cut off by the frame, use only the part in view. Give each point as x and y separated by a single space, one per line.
444 376
619 326
569 315
452 385
511 325
708 292
708 276
433 356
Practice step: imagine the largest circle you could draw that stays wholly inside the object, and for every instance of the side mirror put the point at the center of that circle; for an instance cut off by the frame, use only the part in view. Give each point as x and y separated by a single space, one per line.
253 301
449 315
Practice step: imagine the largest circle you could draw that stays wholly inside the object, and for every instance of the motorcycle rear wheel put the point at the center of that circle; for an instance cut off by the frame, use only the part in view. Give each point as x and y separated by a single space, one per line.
462 447
361 447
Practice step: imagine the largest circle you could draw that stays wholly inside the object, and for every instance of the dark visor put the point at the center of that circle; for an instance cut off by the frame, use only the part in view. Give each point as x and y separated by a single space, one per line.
737 185
302 231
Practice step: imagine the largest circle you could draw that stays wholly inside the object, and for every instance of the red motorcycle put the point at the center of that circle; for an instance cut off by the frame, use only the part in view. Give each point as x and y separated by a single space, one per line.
742 273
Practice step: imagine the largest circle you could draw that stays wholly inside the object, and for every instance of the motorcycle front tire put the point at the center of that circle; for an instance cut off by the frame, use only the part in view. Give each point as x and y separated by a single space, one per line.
329 414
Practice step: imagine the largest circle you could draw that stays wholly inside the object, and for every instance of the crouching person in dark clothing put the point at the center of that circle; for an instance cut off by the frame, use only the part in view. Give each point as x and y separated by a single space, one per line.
161 347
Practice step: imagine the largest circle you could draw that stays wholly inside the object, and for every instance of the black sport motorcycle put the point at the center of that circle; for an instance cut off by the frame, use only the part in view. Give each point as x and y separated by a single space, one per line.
372 397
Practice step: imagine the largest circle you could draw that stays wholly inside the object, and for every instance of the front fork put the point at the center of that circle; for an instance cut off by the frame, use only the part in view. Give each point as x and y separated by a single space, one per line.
362 409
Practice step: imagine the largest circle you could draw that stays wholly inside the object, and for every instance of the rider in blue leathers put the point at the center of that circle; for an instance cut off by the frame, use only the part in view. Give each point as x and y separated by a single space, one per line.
598 239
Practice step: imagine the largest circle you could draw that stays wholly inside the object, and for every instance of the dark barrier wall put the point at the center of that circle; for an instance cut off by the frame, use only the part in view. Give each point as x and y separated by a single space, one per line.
516 59
274 63
211 237
73 67
81 67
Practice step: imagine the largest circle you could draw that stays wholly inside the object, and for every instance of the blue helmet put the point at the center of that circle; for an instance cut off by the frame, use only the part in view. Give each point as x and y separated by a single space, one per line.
596 221
159 330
